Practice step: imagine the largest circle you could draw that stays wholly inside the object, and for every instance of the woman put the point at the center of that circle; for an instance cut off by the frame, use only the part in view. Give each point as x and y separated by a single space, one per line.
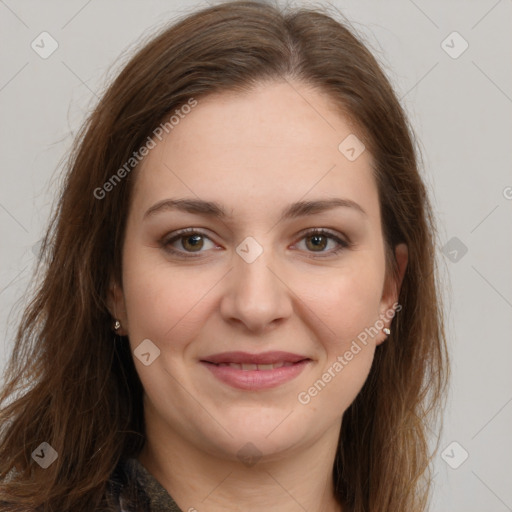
239 308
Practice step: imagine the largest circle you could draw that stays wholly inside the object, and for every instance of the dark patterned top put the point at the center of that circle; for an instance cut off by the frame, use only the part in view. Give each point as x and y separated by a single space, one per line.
136 489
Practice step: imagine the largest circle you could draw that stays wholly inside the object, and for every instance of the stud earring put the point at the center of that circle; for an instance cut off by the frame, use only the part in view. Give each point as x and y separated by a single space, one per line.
386 331
117 325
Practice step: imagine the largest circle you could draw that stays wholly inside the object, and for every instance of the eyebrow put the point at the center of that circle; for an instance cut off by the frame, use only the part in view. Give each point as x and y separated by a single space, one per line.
216 210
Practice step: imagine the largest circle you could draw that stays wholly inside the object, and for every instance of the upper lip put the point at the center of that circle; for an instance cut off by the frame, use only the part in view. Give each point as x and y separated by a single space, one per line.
247 358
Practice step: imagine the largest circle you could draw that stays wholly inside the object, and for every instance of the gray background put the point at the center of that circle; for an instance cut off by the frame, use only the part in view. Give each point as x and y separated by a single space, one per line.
461 111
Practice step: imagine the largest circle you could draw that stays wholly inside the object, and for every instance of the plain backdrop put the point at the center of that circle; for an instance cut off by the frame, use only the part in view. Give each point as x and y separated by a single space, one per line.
457 89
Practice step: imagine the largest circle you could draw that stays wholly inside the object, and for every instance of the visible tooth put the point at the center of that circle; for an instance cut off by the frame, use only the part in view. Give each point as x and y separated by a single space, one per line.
252 366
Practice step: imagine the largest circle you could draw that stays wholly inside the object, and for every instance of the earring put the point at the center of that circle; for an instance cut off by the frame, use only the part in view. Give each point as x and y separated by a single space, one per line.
117 325
386 331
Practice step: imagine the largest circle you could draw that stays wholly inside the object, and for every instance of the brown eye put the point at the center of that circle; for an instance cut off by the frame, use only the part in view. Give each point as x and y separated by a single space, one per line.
192 242
186 242
318 242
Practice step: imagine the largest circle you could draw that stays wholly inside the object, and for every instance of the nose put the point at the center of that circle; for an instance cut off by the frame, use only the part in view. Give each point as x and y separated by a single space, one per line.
256 295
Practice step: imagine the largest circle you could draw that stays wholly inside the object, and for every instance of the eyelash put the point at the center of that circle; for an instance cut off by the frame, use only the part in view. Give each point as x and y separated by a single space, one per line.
166 242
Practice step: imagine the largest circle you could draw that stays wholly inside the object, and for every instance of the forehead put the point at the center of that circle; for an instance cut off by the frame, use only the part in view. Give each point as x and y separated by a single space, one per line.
276 144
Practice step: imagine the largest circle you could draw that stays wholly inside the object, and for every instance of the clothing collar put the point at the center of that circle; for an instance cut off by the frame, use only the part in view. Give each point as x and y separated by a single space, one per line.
160 499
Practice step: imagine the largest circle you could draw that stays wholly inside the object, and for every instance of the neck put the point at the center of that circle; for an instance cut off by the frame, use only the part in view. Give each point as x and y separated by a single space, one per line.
300 479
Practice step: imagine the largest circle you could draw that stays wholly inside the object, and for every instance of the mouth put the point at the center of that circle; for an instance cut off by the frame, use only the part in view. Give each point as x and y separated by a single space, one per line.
262 361
257 367
255 371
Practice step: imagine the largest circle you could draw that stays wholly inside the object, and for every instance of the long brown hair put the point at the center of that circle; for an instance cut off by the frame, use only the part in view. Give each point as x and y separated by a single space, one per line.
71 383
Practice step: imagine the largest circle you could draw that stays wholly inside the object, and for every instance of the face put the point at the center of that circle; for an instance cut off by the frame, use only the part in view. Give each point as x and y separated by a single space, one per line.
257 279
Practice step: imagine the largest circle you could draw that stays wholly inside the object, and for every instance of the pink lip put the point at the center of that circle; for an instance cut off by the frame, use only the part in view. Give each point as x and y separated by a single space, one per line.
246 358
255 379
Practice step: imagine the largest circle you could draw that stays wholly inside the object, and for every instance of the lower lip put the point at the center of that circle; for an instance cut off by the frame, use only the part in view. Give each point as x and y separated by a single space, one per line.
256 379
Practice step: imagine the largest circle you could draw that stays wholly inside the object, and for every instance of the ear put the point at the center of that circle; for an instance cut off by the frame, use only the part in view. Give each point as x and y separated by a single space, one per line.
391 290
117 307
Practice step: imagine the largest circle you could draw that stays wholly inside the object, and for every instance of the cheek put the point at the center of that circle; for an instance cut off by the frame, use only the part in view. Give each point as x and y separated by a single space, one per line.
337 384
350 310
162 303
349 307
359 300
348 304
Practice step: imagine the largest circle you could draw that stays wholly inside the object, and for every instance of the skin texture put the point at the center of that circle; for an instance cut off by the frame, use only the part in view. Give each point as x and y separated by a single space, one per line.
255 154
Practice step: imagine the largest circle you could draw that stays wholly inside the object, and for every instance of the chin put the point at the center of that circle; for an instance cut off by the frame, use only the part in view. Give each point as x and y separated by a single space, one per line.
271 439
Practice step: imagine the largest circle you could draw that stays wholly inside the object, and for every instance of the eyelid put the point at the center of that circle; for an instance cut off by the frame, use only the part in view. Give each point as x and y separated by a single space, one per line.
325 231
